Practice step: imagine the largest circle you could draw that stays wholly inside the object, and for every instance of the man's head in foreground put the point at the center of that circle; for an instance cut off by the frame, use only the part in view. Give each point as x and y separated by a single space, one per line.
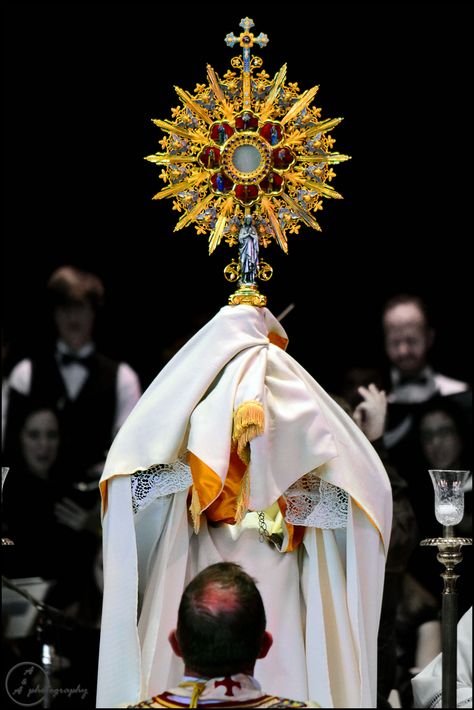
221 623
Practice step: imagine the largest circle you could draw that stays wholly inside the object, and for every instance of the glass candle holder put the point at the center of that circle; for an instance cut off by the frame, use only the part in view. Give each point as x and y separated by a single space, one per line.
449 495
5 469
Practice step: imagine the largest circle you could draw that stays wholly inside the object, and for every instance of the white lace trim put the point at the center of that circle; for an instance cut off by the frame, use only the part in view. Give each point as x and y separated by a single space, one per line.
313 502
159 480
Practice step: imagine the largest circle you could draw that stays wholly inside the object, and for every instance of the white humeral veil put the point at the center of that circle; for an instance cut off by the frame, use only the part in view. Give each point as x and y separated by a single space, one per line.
322 599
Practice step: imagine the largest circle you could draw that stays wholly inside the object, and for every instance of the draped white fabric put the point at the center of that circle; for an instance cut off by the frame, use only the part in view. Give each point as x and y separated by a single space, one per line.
322 600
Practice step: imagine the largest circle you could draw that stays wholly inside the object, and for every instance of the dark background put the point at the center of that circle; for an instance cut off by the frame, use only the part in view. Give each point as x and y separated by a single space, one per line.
82 83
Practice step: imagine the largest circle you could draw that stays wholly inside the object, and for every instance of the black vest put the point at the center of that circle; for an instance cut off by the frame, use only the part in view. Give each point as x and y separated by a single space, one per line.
86 422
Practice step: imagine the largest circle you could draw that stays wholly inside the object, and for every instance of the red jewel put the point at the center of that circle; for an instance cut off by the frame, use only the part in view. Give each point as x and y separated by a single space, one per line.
271 133
217 132
271 183
282 157
210 157
246 122
221 182
246 193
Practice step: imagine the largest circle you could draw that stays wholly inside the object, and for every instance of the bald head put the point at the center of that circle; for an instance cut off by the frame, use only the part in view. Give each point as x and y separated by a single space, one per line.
221 621
216 599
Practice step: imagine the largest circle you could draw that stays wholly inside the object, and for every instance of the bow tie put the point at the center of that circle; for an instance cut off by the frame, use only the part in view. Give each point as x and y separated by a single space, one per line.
416 380
70 358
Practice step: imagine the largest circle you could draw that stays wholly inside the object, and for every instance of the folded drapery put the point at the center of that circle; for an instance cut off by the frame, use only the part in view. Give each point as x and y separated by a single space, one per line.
251 422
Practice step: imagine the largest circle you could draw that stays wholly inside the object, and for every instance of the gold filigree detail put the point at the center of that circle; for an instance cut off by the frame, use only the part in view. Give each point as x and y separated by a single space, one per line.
249 295
289 184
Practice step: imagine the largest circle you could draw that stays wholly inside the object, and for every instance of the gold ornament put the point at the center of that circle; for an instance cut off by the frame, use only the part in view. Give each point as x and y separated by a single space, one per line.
247 145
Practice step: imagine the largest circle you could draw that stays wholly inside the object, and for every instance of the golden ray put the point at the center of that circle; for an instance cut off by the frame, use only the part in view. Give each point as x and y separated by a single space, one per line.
295 178
322 127
303 215
216 234
280 235
167 159
192 105
319 187
296 137
180 186
323 158
302 102
323 189
197 209
277 84
301 135
219 94
183 132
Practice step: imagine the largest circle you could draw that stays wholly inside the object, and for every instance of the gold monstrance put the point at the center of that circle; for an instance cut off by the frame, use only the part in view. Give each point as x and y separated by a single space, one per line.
247 160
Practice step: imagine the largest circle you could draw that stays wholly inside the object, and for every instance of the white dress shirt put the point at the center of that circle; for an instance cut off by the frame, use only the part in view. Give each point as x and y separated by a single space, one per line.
420 389
128 389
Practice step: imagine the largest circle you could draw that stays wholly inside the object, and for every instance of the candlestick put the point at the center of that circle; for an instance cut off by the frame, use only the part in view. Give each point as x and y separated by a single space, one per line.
5 469
449 511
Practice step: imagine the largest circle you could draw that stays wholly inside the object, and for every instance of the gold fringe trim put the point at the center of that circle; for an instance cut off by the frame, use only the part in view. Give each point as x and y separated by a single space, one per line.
243 497
249 422
243 450
195 510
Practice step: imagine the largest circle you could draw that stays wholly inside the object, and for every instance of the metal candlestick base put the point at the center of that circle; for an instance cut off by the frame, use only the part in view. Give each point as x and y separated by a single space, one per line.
449 554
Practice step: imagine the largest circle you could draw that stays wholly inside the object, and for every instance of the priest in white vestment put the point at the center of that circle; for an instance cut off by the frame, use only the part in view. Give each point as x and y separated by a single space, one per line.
235 453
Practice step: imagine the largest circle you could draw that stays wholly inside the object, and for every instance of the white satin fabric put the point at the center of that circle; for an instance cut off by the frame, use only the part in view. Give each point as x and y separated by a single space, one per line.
323 600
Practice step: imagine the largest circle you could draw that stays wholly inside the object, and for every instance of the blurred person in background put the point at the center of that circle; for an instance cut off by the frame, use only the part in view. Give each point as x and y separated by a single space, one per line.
92 393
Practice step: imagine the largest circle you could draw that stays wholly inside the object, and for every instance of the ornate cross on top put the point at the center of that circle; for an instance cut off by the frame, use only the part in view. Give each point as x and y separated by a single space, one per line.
246 39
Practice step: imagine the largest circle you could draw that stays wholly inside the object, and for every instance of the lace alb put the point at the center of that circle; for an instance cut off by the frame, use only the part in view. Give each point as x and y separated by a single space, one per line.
159 480
313 502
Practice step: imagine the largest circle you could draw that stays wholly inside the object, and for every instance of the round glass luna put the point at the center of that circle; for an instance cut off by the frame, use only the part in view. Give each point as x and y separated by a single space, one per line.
246 158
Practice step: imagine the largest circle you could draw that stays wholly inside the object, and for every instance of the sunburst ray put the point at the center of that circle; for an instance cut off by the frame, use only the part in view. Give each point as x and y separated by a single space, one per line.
192 105
301 213
278 82
182 186
219 94
302 102
322 127
323 189
320 187
324 158
172 128
167 159
216 235
280 235
196 210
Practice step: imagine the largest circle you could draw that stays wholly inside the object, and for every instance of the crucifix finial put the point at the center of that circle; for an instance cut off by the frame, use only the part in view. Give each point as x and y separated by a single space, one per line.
246 39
